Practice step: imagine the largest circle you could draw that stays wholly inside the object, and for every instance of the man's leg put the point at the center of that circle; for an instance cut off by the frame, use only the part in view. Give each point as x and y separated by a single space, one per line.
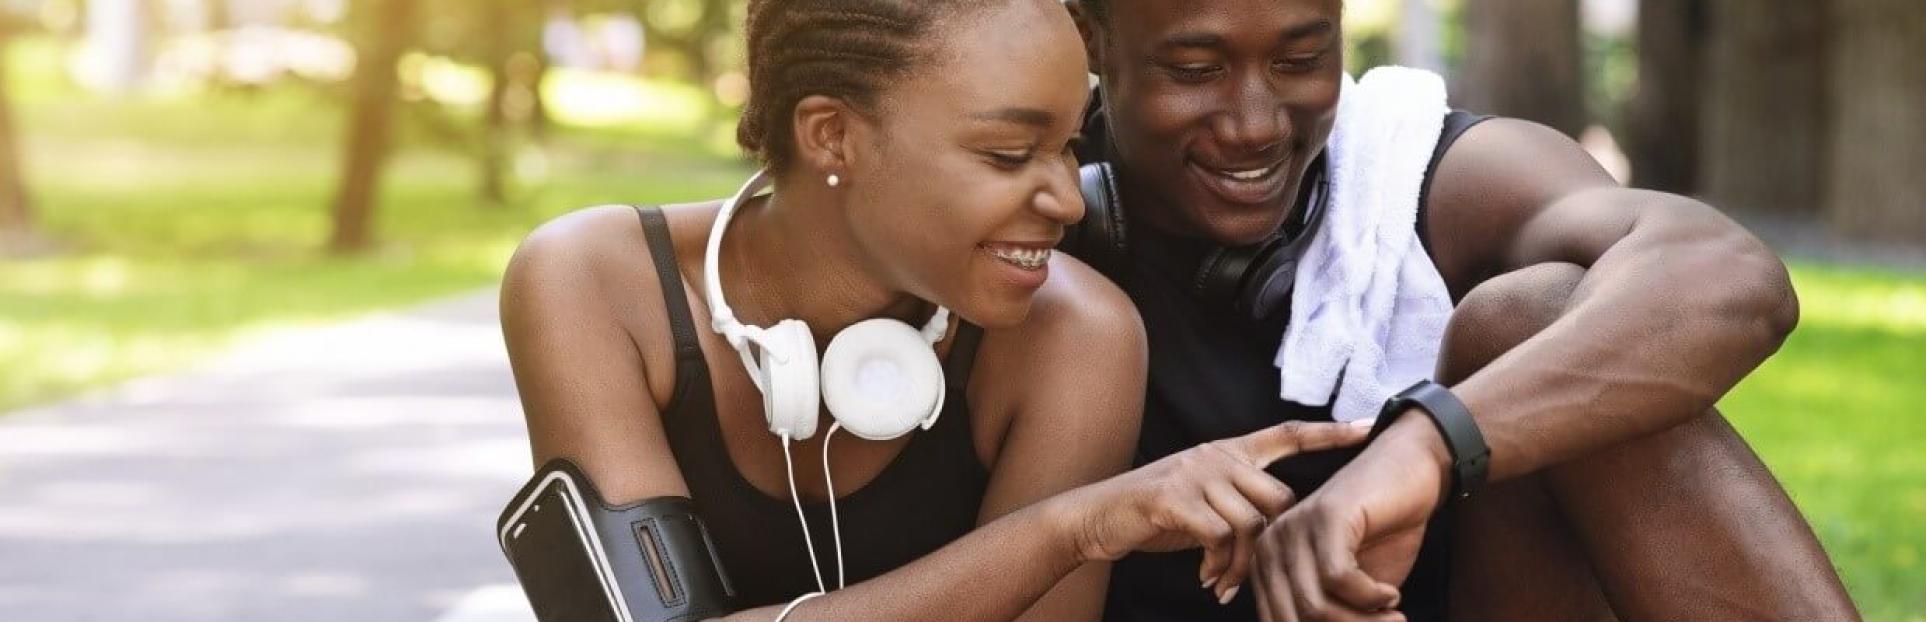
1682 524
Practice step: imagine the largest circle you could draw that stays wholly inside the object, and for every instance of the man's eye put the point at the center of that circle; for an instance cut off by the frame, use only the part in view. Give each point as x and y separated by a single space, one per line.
1298 64
1193 72
1303 60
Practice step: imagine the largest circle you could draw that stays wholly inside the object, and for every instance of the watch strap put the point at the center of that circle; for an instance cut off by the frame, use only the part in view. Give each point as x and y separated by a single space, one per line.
1470 457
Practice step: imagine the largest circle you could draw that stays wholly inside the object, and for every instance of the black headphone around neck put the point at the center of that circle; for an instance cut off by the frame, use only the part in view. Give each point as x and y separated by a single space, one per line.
1254 279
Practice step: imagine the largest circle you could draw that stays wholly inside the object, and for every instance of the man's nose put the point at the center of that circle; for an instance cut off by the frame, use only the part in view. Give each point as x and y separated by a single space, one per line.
1254 121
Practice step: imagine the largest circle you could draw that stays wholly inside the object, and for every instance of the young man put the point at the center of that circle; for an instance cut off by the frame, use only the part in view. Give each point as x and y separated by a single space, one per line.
1594 327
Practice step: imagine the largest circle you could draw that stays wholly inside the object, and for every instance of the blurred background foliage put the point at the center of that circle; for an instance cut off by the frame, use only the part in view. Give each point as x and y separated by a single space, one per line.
179 174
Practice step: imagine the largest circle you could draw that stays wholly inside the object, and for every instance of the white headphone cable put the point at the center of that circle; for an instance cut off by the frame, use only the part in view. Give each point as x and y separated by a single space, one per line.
789 468
835 524
792 605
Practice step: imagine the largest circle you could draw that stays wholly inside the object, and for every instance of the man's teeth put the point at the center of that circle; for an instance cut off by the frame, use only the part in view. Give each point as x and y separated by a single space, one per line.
1027 258
1252 174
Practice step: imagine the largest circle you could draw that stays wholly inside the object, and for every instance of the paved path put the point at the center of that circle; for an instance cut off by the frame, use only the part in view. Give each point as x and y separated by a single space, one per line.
349 472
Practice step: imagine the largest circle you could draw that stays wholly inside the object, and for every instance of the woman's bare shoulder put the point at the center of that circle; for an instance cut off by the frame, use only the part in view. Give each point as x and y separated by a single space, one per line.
593 252
1083 336
1078 306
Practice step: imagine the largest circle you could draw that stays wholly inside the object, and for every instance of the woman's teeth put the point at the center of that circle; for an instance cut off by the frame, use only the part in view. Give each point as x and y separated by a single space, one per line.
1020 256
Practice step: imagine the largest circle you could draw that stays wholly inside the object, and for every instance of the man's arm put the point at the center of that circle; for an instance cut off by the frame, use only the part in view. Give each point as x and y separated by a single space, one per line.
1678 303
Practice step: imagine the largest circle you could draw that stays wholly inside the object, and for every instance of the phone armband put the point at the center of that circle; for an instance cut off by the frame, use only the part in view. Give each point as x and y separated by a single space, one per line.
579 558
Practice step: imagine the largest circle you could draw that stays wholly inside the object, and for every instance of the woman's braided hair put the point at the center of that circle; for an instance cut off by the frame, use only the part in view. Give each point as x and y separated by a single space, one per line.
847 49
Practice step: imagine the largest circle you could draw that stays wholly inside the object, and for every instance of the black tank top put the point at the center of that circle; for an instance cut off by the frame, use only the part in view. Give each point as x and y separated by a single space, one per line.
926 497
1212 376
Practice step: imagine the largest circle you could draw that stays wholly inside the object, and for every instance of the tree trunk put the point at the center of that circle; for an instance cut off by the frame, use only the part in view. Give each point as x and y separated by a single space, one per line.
494 134
119 35
538 120
1664 115
1419 36
1524 59
1765 98
16 214
385 26
1877 186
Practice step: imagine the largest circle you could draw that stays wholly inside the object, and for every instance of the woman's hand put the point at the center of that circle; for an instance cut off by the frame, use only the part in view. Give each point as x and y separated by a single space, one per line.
1215 495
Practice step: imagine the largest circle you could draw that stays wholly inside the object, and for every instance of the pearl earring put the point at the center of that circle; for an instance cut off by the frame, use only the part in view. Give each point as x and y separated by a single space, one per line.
835 181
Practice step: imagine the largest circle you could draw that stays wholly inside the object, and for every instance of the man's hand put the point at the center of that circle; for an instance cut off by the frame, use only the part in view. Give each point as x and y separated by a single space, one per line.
1341 553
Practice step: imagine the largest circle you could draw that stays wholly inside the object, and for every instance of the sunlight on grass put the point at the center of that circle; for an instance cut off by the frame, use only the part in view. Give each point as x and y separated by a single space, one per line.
189 222
1863 299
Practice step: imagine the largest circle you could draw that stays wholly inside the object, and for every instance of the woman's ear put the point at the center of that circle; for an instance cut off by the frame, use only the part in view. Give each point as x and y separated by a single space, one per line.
822 126
1092 33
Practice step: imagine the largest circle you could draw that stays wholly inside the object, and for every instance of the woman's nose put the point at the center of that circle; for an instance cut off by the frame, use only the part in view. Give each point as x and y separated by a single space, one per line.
1059 199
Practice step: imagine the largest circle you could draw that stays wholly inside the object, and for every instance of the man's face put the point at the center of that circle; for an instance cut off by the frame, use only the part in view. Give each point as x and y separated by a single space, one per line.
1217 107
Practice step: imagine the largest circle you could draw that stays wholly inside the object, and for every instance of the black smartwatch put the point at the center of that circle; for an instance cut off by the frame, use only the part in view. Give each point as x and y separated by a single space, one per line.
1470 458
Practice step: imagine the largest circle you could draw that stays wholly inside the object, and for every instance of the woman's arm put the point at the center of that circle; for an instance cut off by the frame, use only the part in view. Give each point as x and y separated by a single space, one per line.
998 570
579 373
1071 381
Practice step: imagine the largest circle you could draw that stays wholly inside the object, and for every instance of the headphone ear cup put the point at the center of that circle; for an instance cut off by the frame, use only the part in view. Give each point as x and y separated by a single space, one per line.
1098 239
881 379
789 380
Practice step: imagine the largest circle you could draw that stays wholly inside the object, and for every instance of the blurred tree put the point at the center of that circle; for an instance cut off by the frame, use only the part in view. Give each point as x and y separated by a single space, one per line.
1524 59
1762 144
504 37
512 36
382 31
1420 42
694 30
1877 181
121 37
1665 108
16 215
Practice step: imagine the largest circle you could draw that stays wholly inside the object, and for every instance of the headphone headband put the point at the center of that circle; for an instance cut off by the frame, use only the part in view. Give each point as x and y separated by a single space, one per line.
722 319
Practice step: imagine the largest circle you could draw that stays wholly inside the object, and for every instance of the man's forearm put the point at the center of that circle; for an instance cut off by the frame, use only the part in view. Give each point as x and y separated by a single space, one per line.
1666 321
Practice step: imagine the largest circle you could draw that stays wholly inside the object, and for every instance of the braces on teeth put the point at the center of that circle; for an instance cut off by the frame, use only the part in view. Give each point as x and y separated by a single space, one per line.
1027 258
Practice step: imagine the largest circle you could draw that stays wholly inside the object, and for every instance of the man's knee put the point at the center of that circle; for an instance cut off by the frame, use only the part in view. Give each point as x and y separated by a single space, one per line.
1503 312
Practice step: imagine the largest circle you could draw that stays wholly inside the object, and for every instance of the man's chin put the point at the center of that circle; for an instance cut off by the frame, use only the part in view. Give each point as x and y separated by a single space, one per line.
1238 225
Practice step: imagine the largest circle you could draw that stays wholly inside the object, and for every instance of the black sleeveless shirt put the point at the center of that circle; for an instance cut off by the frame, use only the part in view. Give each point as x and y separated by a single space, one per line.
926 497
1212 376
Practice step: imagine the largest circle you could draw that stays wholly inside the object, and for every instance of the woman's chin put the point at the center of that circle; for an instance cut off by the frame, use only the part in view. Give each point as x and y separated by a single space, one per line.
991 313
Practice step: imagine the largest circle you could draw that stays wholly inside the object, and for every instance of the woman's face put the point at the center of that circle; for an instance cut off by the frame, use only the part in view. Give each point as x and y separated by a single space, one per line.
966 180
1217 107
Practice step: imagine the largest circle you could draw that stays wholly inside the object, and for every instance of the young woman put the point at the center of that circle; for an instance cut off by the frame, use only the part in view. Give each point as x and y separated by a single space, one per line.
919 152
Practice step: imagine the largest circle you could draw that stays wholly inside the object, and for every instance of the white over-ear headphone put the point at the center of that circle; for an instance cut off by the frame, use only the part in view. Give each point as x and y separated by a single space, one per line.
879 377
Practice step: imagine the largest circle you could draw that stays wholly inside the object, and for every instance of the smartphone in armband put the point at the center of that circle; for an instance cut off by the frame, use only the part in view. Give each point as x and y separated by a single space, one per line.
580 560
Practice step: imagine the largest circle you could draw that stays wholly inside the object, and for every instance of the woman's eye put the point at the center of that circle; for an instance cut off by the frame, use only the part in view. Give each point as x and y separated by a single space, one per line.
1010 159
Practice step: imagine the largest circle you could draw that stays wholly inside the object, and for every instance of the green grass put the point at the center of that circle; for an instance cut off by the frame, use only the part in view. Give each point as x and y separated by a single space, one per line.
1836 416
187 220
191 220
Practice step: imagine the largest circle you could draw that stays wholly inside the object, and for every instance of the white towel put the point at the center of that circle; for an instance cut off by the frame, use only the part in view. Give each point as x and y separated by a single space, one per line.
1368 302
